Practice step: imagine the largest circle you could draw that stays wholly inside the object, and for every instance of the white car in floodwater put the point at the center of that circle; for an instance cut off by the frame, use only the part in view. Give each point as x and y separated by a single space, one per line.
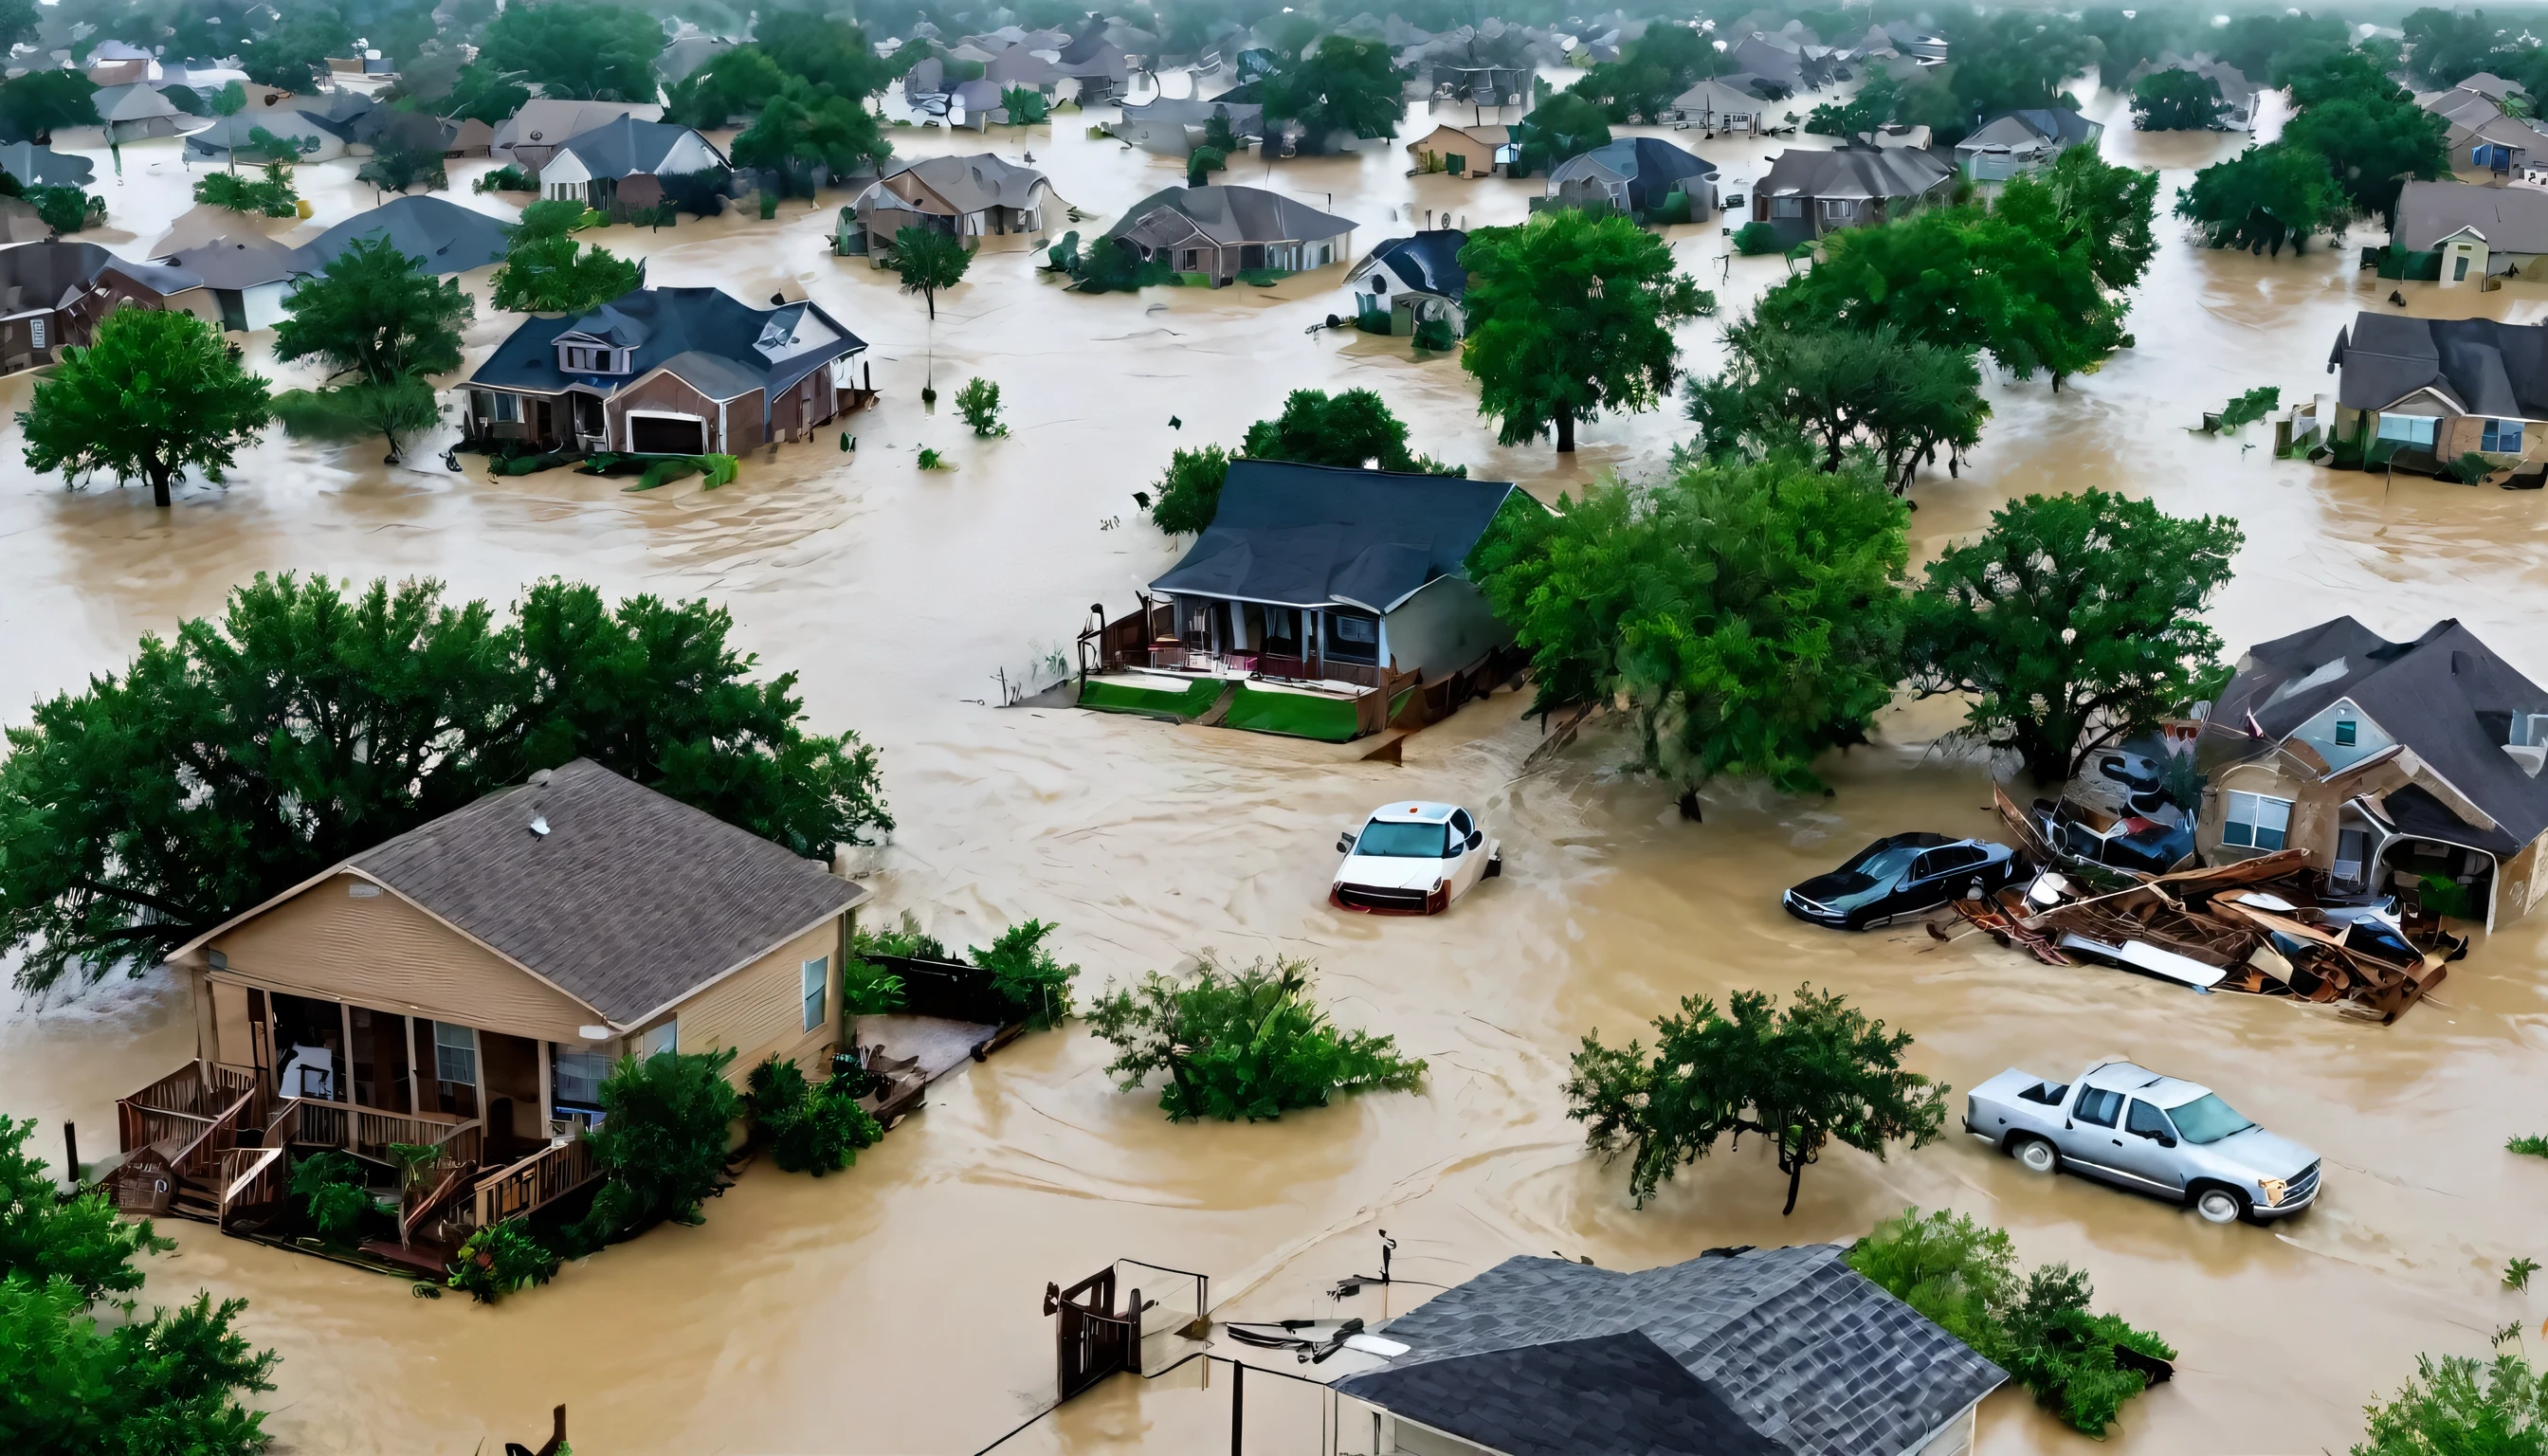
1412 858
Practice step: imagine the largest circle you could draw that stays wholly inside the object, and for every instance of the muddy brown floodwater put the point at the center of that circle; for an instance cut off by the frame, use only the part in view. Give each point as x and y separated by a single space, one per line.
895 1309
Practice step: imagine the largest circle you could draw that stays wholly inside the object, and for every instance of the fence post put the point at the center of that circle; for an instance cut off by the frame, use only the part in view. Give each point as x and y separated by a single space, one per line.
1237 1403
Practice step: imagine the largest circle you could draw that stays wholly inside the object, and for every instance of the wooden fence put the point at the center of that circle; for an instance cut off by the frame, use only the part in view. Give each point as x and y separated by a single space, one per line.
248 1178
550 1173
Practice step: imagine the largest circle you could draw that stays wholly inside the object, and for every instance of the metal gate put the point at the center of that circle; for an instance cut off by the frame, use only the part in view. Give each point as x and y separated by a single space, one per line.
1093 1339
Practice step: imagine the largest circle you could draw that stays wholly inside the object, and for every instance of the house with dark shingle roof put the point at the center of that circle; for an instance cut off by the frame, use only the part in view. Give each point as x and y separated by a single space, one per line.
467 984
1810 193
2016 142
1635 175
667 370
2479 231
620 165
1407 281
2393 765
1771 1352
441 235
1220 232
966 197
54 293
2432 390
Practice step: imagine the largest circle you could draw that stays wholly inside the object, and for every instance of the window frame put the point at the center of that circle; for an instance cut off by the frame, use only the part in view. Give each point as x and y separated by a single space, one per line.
657 1039
444 1049
814 984
583 1066
2114 1110
2501 438
2166 1128
2253 824
2421 439
2348 733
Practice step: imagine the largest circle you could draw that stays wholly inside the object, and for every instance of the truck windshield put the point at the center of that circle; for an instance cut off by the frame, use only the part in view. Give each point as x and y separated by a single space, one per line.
2208 1119
1402 841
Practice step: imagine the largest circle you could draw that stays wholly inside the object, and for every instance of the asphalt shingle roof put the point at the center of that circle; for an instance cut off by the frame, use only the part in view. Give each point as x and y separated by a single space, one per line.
715 340
1429 262
2480 365
441 235
47 274
1805 1352
970 184
627 147
1311 536
1612 1394
1232 215
2509 219
631 900
1855 172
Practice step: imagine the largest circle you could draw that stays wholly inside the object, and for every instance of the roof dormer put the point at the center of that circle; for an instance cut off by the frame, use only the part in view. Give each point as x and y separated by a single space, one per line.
584 354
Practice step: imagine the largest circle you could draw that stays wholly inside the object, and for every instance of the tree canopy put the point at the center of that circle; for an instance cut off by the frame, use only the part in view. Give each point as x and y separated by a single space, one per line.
928 261
546 271
1241 1043
1900 398
1570 315
1748 615
2071 623
1344 85
2374 136
1652 71
157 394
2265 197
2004 60
44 100
2178 100
1816 1072
246 753
570 49
1350 429
1559 129
382 326
483 93
805 125
295 49
2456 1403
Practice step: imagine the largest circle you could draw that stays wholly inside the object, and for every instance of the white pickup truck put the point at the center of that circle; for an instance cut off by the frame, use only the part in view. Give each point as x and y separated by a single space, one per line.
2152 1133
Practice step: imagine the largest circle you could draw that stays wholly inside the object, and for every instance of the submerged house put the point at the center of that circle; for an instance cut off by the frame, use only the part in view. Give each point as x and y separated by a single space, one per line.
442 237
467 985
666 371
2018 142
1766 1353
531 137
1216 234
250 276
1174 126
1635 175
2432 390
620 165
2238 93
2477 231
1408 281
54 293
1810 193
1713 106
2406 766
966 197
1466 151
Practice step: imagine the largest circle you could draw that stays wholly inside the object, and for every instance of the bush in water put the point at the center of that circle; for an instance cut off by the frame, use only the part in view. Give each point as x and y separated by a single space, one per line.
1246 1043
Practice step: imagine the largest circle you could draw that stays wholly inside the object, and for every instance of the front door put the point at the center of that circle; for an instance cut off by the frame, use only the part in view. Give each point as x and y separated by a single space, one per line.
544 423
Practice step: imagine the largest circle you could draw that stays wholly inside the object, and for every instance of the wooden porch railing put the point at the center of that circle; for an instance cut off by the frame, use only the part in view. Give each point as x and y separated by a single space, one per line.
176 1110
201 1158
452 1182
550 1173
249 1177
369 1131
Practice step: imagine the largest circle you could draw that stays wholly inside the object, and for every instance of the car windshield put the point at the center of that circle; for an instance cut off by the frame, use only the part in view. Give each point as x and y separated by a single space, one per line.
2208 1119
1881 866
1403 840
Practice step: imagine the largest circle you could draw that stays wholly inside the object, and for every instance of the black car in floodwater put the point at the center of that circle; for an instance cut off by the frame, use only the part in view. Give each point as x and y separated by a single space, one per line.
1902 875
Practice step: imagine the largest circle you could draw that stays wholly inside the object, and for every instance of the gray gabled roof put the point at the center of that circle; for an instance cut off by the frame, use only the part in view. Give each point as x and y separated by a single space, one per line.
244 260
51 273
441 235
630 901
1232 215
2479 365
719 343
1316 535
2509 219
42 166
2446 695
1856 171
627 147
2056 124
970 184
1609 1394
1807 1353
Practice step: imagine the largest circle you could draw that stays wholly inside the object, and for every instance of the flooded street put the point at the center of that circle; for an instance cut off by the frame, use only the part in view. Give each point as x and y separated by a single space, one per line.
895 1309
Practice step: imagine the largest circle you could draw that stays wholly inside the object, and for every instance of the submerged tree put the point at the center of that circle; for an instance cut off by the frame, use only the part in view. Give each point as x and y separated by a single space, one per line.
2074 622
374 313
155 394
248 752
1899 398
546 271
1570 315
660 1145
1818 1073
1241 1043
1344 85
2265 197
1350 429
928 261
2178 100
590 53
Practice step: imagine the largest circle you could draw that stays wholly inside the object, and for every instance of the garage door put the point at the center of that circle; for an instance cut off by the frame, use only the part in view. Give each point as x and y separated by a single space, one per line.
652 436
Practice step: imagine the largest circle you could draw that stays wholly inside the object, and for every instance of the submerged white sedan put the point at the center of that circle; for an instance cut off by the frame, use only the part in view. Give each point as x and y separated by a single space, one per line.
1412 858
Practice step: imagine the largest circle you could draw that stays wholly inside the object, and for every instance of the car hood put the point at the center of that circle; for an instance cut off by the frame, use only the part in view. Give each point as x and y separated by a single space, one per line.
2266 1154
1841 889
1388 873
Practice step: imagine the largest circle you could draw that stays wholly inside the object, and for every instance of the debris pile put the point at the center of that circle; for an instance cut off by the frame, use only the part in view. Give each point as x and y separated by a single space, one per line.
2265 926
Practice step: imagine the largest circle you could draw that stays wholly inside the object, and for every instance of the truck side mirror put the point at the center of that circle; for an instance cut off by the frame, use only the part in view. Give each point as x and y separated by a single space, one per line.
1476 837
1344 843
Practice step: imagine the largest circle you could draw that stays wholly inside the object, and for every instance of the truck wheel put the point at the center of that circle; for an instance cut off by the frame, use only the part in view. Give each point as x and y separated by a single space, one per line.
2218 1206
2037 1155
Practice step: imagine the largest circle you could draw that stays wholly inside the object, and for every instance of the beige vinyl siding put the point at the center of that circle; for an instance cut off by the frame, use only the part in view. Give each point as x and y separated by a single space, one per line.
384 952
760 1010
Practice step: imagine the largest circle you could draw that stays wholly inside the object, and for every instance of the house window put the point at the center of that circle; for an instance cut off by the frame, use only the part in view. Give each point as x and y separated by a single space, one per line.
499 408
2256 821
662 1038
579 1075
1787 207
455 1054
2347 731
2408 430
1186 261
1833 206
818 975
35 333
2501 438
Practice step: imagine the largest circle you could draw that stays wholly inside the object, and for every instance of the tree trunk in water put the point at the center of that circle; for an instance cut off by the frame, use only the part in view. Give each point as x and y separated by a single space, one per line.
1796 1176
1565 431
159 488
1689 806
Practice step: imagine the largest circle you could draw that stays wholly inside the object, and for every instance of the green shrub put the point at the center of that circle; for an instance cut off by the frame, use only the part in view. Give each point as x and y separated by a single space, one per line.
270 195
501 1259
2470 469
1434 336
661 1142
768 206
1203 163
2457 1404
1963 1276
663 470
2532 1146
979 403
868 990
331 1184
67 210
1024 105
2250 407
1754 238
1246 1043
507 179
932 460
906 940
1064 256
809 1128
1026 974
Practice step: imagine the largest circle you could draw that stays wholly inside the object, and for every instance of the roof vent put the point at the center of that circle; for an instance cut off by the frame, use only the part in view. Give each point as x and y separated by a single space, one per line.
540 779
540 825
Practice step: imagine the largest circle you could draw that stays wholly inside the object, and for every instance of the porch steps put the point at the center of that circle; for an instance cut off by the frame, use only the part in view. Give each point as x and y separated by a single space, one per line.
1219 709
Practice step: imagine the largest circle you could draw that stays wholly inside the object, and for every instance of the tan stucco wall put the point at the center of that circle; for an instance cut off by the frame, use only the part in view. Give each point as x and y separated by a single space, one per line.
384 952
759 1011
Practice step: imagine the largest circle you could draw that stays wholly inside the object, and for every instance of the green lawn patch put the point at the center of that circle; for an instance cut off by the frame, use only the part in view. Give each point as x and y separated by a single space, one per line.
1120 697
1298 715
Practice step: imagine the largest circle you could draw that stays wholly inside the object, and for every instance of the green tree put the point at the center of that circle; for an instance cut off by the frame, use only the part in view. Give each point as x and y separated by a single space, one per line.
1352 428
1570 315
1653 70
1817 1072
2374 136
661 1144
271 196
1344 85
590 53
1189 494
154 395
928 261
2264 198
832 53
247 753
1203 162
2071 623
67 210
2084 203
2449 46
811 1128
358 411
1749 615
546 271
1900 398
1871 109
374 315
2178 100
18 22
1026 975
2125 39
1241 1043
2457 1404
80 1240
1560 128
293 51
804 127
44 100
2264 44
979 403
1024 105
483 93
2010 60
735 83
399 165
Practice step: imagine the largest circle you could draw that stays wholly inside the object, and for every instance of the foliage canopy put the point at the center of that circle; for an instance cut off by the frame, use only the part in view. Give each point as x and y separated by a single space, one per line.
154 395
1241 1043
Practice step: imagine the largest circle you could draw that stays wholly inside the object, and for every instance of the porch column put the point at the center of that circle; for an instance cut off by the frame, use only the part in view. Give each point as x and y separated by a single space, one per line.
1381 660
546 1110
345 1070
414 1101
478 1070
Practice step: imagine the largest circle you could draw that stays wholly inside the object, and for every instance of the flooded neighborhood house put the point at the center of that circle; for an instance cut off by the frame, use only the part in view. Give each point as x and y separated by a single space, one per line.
1216 234
666 371
2436 389
467 985
2393 765
1766 1353
966 197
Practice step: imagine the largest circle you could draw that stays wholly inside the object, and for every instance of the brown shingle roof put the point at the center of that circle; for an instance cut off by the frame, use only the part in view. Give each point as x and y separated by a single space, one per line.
630 901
